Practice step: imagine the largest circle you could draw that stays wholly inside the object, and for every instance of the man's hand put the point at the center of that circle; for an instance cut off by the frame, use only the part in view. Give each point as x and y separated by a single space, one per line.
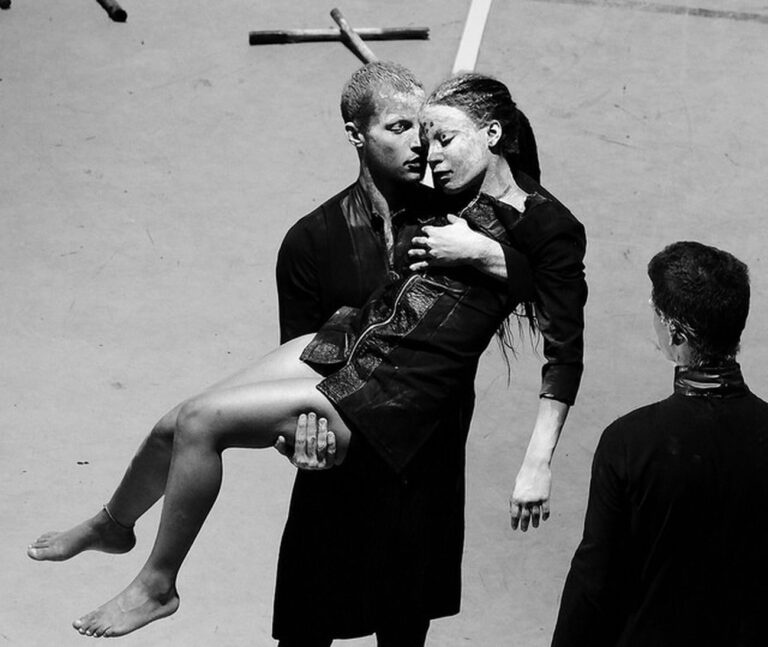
314 446
530 499
452 244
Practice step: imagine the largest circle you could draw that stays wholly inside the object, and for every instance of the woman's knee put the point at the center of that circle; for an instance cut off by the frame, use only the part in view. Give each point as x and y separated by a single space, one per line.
195 421
165 428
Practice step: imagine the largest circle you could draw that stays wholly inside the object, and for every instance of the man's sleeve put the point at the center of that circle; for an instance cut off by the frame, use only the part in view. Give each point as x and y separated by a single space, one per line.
593 608
298 285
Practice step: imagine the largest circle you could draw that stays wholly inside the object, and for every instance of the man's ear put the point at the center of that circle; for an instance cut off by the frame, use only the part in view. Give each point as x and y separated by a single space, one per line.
676 336
354 134
494 133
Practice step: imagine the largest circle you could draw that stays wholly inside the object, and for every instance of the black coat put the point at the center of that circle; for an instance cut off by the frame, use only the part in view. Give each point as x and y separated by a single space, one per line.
362 541
675 547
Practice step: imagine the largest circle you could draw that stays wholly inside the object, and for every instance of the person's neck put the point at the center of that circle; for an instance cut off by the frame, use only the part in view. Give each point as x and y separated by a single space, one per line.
386 197
681 355
500 183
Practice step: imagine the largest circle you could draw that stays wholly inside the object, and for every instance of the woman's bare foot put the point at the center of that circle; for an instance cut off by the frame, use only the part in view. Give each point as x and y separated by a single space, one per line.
136 606
97 533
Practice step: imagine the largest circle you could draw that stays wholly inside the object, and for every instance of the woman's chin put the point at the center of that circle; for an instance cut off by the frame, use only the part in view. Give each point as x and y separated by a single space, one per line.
450 189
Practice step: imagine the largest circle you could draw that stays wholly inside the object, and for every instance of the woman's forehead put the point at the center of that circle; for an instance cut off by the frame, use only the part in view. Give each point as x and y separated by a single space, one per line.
444 117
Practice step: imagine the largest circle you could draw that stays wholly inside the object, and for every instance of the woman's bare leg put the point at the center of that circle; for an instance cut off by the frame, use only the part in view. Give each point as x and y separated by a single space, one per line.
248 416
144 481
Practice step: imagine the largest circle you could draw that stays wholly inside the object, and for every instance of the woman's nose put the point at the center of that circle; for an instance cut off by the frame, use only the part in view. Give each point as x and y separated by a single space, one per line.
433 154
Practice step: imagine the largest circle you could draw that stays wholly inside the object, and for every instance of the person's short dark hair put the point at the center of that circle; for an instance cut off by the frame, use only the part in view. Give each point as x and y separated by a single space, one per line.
358 98
484 99
704 291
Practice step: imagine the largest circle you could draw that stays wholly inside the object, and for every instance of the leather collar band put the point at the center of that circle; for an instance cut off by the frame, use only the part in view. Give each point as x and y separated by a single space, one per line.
717 381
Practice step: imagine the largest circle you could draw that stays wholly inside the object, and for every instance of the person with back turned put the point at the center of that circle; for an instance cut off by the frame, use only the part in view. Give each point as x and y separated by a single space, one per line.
676 529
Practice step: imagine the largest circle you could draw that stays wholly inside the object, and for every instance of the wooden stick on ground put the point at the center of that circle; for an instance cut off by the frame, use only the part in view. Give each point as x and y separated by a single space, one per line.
114 10
281 36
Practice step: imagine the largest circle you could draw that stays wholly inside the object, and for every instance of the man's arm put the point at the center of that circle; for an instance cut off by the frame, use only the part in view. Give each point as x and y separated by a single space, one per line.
457 244
298 284
299 299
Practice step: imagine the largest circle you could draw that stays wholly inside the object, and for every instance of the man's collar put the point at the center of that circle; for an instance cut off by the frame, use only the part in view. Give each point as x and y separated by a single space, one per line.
417 199
716 381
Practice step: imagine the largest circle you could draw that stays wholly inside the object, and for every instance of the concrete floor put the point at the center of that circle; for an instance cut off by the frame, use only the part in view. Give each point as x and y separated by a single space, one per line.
148 171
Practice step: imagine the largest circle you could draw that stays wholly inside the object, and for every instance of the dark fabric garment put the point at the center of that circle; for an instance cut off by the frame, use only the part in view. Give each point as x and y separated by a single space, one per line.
415 345
368 544
676 530
413 634
392 542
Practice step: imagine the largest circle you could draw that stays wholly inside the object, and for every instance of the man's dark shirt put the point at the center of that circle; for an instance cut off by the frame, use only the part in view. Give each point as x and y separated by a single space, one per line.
367 544
675 547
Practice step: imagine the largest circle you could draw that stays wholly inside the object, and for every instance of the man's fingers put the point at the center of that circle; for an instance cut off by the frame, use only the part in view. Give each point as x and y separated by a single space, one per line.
420 241
415 267
311 432
281 446
322 440
300 440
331 451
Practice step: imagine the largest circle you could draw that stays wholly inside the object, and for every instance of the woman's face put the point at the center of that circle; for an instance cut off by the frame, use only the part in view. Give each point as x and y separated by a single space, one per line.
458 151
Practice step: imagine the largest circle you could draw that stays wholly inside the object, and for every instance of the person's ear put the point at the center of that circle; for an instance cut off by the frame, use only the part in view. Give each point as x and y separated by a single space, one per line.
676 336
354 134
495 131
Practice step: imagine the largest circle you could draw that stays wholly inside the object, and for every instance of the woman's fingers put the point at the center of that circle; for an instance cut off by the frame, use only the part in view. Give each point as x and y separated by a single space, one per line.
535 515
523 515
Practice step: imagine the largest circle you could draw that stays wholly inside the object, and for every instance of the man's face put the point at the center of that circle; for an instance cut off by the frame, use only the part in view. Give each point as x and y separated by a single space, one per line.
663 336
392 148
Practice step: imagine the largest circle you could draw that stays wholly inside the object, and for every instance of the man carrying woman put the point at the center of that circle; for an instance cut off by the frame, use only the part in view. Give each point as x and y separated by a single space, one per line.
392 371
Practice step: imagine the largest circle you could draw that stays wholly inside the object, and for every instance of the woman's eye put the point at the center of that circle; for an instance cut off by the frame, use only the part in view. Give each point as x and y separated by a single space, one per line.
399 127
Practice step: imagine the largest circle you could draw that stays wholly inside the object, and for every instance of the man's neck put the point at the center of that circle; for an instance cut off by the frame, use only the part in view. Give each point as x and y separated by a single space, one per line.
385 197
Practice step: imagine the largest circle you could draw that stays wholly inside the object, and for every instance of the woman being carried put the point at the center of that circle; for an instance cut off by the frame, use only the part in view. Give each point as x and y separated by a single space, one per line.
387 370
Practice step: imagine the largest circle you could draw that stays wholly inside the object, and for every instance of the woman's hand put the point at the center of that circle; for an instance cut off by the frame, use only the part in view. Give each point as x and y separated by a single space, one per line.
530 500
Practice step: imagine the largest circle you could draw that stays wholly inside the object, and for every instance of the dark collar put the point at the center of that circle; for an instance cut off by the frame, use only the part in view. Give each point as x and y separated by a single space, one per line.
716 381
418 200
